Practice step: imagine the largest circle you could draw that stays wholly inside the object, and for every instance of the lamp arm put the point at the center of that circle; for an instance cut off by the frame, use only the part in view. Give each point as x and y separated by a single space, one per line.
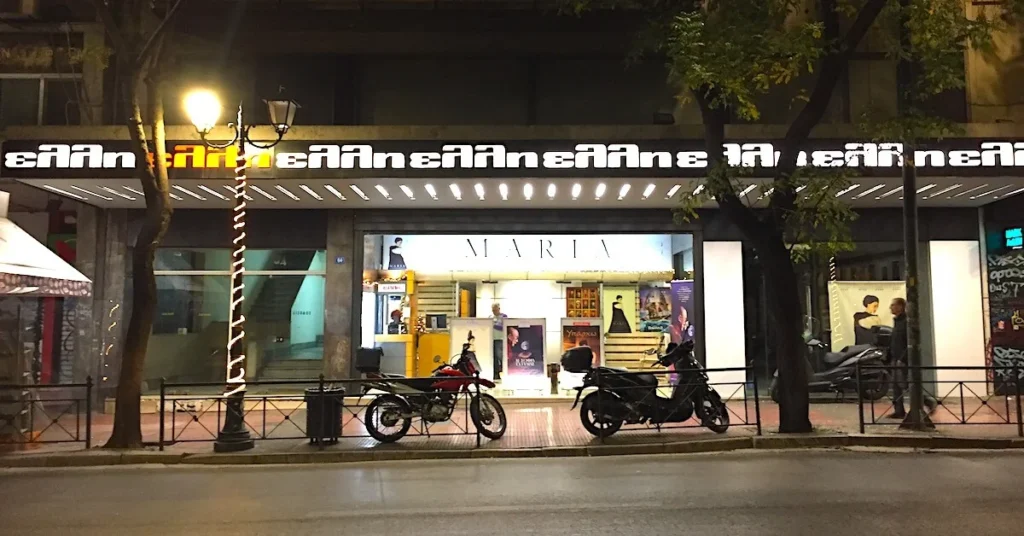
280 136
225 145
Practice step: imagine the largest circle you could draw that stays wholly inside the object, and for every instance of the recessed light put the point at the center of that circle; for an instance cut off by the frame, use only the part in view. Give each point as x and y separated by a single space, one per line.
528 191
767 193
801 188
599 192
232 190
869 191
925 188
847 190
115 192
431 191
286 192
552 190
944 191
990 192
479 188
359 192
334 191
975 189
672 191
577 189
890 192
747 190
310 192
1015 192
83 190
260 191
623 191
63 192
212 192
408 192
503 190
648 191
383 191
188 192
133 190
456 191
698 189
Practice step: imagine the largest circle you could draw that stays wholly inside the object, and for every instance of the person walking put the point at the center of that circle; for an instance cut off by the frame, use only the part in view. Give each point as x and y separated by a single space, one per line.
898 358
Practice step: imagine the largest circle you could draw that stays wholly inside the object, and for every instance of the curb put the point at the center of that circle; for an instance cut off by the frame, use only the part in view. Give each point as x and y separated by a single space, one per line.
98 457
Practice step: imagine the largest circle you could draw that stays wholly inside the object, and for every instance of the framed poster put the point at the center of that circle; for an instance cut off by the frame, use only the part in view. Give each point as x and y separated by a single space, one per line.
655 309
580 332
857 306
524 350
619 309
681 327
483 341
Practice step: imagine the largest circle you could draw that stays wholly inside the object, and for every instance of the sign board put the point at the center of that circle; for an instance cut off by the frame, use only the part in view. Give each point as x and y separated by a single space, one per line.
1013 238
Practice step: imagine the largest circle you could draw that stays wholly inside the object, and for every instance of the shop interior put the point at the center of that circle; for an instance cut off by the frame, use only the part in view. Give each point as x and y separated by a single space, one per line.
525 299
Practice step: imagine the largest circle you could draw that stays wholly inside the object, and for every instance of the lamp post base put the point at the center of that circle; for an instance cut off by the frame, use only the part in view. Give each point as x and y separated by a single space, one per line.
233 441
234 437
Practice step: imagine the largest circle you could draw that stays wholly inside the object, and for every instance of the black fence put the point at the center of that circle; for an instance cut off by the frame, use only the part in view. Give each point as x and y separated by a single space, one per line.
325 412
60 413
665 400
954 396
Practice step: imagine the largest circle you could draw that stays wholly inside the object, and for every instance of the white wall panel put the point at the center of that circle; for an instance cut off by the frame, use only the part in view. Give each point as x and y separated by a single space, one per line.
724 337
956 312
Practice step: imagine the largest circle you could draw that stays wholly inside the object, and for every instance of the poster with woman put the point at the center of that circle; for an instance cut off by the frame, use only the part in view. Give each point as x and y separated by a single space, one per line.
619 309
524 347
682 328
655 309
855 307
395 259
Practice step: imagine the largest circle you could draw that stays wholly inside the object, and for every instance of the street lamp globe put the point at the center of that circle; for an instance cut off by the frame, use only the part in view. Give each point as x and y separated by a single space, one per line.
282 113
203 109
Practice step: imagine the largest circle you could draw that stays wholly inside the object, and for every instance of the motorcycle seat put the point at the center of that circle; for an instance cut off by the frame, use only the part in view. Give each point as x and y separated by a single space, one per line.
649 380
834 358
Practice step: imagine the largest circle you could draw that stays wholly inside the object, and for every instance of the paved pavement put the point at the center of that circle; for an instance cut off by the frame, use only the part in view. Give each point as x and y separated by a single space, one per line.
785 493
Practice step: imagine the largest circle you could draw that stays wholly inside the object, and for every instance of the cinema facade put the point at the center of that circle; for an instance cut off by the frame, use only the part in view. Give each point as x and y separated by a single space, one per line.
407 239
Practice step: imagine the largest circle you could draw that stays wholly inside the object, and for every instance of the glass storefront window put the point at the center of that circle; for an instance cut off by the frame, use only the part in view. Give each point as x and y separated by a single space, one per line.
192 260
190 329
284 318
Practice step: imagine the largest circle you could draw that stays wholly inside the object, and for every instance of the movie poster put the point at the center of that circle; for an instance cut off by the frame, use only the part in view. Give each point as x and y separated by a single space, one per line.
857 306
681 327
524 347
583 334
618 306
655 309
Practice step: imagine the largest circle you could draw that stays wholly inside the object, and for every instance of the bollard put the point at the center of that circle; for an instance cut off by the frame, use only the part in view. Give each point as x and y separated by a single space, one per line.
757 406
163 398
88 412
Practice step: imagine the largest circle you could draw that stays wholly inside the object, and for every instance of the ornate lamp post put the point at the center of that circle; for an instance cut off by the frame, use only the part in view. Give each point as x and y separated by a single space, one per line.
203 108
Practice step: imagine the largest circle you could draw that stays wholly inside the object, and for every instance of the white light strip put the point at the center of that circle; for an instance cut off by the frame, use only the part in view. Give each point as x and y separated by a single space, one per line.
747 190
358 192
431 191
975 189
528 191
503 191
83 190
698 189
479 190
408 192
334 191
990 192
847 190
944 191
1008 194
260 191
174 197
599 192
456 191
552 190
236 331
136 192
63 192
577 189
115 192
212 192
311 193
801 188
767 193
648 191
672 191
285 191
623 191
926 188
232 190
869 191
890 192
383 191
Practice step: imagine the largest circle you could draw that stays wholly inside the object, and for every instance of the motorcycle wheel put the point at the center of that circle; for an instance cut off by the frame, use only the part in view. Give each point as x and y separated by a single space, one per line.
874 390
387 410
713 414
488 416
773 390
589 416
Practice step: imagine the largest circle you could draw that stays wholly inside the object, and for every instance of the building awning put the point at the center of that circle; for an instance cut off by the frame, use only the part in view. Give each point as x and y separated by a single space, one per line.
28 268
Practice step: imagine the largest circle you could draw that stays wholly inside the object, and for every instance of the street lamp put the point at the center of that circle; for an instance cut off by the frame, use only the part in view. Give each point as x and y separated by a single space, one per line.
203 108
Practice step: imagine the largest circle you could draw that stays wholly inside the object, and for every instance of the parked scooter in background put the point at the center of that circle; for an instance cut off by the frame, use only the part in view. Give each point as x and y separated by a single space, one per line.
837 371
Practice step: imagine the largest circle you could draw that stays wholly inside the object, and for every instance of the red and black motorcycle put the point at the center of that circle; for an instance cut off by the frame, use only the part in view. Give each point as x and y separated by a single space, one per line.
433 399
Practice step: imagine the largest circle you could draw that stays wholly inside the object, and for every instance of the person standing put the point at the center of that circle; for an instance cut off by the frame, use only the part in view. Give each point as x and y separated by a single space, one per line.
898 359
498 319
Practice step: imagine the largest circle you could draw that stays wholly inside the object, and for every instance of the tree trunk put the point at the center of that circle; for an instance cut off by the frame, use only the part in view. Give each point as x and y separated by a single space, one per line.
152 175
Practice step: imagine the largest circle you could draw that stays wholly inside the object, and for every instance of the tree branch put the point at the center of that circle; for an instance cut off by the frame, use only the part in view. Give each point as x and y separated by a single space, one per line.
157 33
111 26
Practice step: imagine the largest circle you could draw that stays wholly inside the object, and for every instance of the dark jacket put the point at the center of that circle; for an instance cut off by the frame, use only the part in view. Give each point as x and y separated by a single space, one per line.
898 344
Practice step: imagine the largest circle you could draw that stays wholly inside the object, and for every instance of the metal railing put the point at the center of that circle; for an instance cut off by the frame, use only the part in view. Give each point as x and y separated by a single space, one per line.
188 416
44 414
653 408
955 396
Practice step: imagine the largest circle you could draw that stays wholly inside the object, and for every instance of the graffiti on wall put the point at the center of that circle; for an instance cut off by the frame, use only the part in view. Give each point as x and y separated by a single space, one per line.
1006 317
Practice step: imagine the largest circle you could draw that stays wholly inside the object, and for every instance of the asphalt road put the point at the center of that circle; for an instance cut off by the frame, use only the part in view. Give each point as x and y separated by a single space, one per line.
800 492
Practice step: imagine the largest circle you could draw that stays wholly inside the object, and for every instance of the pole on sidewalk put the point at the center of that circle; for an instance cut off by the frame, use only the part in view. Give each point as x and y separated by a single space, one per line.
88 412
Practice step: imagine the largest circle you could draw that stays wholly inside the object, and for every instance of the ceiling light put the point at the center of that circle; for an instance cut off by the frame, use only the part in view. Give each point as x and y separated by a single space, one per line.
334 191
975 189
944 191
232 190
383 192
83 190
698 189
576 190
648 191
407 191
623 191
188 192
285 191
503 190
1015 192
212 192
869 191
925 188
63 192
479 190
599 192
990 192
890 192
800 188
847 190
311 193
115 192
133 190
431 191
528 191
552 190
260 191
176 198
767 193
358 192
456 191
747 190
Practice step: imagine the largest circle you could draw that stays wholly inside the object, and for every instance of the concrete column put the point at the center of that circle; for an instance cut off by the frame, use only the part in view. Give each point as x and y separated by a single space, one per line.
339 292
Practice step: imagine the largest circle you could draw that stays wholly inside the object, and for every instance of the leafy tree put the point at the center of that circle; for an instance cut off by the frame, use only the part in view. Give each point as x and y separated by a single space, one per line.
728 55
138 33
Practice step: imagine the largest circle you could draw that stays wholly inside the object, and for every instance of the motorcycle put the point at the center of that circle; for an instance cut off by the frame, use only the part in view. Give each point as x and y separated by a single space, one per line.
433 399
837 371
626 398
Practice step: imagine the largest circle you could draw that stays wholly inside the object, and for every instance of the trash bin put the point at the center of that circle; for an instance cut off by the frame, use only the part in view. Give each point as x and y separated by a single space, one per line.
323 414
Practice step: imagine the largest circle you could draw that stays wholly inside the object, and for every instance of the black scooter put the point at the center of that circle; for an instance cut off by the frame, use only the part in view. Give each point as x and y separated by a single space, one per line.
628 398
836 372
